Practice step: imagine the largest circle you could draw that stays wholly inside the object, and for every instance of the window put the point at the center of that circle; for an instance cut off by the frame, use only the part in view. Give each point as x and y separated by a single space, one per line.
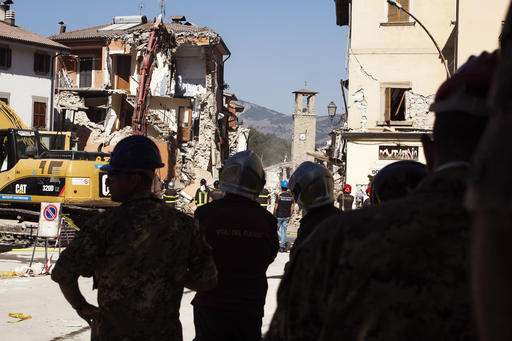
5 57
86 66
395 14
42 63
39 115
395 103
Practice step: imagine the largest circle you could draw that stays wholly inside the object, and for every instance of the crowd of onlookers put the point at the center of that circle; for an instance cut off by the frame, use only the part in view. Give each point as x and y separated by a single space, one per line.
426 258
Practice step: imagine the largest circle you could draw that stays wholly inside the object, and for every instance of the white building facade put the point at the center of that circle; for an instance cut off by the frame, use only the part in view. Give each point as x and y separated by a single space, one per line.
394 71
26 71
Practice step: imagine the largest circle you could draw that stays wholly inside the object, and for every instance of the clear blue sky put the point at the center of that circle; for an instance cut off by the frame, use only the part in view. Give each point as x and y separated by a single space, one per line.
276 45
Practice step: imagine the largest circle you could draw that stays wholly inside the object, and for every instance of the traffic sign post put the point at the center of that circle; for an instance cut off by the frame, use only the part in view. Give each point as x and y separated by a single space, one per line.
49 228
49 220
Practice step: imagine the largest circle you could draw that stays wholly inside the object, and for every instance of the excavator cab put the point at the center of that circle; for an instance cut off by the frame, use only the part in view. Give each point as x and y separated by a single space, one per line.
15 145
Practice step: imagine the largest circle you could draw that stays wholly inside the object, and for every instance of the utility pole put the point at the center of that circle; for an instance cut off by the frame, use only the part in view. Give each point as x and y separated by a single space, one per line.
162 8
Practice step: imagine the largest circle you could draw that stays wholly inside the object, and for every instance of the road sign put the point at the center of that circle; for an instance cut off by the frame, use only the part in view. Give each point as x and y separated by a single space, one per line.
49 220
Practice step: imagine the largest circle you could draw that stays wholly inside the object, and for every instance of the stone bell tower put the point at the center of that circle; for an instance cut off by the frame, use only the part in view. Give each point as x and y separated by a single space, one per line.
304 126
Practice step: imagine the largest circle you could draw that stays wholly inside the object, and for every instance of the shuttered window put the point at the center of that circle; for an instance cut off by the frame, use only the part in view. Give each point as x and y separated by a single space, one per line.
42 63
5 57
39 117
397 15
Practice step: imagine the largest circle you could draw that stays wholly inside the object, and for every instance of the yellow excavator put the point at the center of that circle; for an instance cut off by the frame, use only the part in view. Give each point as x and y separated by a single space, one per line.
37 167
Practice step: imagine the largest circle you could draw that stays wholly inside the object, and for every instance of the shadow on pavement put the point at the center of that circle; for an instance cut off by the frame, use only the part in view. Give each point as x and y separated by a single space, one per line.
72 334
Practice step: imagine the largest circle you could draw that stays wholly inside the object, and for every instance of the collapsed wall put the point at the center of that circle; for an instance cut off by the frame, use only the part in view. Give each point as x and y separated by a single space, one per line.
192 157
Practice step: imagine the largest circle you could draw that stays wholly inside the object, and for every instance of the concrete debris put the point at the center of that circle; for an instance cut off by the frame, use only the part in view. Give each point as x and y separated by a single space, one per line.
360 102
238 140
207 127
197 38
418 110
182 107
69 100
161 82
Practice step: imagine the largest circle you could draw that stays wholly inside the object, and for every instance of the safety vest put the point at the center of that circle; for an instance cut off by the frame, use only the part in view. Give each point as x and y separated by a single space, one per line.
264 200
170 199
202 198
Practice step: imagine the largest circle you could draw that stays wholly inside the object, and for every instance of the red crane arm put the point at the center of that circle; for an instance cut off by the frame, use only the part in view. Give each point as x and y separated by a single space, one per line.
139 123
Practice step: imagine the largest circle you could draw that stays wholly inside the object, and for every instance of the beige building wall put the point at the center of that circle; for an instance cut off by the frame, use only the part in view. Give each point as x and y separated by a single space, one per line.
480 26
402 55
383 54
395 55
363 158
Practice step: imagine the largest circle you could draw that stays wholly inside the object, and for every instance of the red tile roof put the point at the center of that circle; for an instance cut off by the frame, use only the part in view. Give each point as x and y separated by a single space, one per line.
16 33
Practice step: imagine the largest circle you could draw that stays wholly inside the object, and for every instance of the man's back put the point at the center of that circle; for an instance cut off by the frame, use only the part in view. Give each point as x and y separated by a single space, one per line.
244 241
284 204
394 272
141 254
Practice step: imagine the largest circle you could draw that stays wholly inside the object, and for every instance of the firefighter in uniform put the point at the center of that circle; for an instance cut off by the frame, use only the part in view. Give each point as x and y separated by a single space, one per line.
244 241
202 194
346 199
170 194
312 186
264 198
141 254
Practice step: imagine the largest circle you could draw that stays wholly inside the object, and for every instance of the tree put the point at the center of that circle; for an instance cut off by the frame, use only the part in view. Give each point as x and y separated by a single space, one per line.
269 147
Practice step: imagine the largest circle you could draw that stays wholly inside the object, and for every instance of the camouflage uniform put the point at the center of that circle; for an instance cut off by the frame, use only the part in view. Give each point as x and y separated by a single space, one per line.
394 272
141 255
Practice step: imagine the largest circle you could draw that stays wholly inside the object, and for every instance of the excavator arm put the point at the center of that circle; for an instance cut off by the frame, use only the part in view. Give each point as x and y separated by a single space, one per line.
157 33
9 118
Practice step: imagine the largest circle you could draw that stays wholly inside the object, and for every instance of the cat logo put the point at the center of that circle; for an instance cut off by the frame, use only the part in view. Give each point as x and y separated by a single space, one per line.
21 189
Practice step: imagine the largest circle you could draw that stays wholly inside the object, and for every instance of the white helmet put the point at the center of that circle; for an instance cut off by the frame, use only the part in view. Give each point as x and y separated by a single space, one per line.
243 174
312 185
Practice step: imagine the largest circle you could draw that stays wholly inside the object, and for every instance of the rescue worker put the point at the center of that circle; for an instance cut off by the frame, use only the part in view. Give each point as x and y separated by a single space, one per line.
312 186
244 241
216 193
400 270
141 254
397 180
264 198
283 211
346 199
202 194
170 194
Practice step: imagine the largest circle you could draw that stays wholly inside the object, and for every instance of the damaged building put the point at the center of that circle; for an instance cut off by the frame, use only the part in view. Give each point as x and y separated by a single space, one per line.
98 81
394 71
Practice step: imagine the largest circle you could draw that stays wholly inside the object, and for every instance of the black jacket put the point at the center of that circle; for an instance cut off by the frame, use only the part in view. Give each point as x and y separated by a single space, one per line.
244 239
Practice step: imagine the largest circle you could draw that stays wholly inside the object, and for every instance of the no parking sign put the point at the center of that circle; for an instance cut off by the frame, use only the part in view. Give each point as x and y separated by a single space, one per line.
49 220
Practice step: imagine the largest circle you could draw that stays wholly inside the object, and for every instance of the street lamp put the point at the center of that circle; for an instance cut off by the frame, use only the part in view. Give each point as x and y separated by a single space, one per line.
331 110
401 8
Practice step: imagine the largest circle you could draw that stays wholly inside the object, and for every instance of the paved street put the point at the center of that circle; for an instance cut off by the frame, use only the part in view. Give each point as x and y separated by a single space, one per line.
53 319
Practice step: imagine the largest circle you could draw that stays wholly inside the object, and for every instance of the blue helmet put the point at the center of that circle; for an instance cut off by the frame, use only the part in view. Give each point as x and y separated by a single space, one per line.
284 184
134 153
